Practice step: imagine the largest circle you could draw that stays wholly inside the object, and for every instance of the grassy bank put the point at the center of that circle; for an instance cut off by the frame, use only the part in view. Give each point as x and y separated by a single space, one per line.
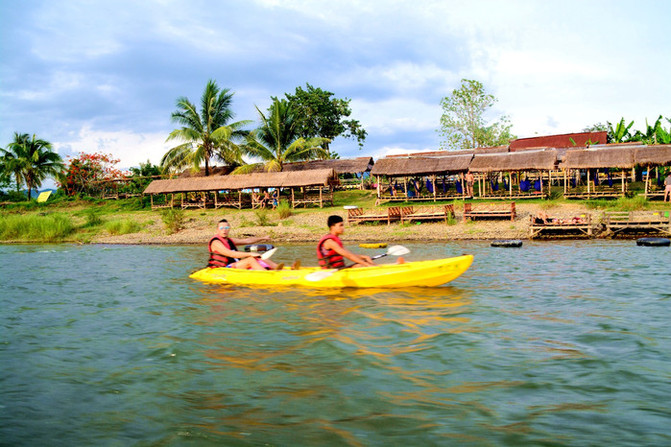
133 221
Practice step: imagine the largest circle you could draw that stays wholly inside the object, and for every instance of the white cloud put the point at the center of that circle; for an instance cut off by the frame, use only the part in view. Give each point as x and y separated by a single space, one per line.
131 148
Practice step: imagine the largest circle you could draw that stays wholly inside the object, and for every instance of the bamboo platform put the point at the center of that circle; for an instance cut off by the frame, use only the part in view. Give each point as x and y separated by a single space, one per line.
620 222
557 228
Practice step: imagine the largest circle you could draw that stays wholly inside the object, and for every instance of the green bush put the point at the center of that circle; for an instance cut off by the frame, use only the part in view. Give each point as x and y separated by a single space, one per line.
173 220
46 228
93 218
262 218
284 209
123 226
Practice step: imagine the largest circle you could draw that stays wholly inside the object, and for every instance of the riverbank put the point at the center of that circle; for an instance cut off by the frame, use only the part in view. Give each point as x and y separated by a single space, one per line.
130 221
309 225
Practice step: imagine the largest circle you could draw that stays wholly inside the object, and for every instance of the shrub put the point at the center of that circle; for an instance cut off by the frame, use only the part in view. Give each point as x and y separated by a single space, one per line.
123 226
262 218
284 209
93 218
173 220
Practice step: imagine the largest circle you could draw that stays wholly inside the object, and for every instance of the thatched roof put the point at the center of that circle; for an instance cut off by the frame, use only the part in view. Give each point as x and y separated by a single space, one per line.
619 157
315 177
515 161
422 165
214 170
654 155
340 166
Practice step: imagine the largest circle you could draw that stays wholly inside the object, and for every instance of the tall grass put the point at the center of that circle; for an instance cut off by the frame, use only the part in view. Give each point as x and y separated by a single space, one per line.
123 226
284 209
173 220
48 228
621 204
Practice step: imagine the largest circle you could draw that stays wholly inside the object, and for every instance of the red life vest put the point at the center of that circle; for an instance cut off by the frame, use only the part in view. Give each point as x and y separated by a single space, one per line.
328 258
217 259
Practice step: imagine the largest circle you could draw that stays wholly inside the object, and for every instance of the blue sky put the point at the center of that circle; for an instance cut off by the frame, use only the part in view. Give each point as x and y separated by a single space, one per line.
104 75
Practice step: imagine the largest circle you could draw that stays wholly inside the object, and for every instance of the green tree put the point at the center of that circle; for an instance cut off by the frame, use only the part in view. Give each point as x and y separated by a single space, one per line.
319 114
278 140
655 134
31 161
619 133
463 123
205 134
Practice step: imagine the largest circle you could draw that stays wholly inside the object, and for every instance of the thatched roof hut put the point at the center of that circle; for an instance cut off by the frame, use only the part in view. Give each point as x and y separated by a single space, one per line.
658 155
315 177
422 165
618 157
214 170
340 166
543 160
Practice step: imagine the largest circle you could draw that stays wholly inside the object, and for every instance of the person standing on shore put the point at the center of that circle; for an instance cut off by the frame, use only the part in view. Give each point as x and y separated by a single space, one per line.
224 252
330 249
667 188
470 180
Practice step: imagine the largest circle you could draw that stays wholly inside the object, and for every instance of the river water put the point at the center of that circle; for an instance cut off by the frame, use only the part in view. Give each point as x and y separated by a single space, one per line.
554 343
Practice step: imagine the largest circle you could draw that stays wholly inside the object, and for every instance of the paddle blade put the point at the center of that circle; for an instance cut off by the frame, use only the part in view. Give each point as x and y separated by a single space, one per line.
269 253
397 250
322 274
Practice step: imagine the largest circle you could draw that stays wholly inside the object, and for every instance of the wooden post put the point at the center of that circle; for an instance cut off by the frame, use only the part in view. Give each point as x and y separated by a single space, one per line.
433 180
510 184
588 182
565 179
320 197
647 180
293 198
405 186
378 185
623 194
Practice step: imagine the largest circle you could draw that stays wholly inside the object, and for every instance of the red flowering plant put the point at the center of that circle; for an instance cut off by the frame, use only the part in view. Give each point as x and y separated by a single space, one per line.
89 174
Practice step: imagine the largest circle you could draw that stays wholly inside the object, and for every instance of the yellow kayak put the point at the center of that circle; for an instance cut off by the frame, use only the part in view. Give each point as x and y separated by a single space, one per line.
411 274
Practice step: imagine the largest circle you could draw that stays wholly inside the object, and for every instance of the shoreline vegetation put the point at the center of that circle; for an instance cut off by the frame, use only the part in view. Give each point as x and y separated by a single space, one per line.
131 221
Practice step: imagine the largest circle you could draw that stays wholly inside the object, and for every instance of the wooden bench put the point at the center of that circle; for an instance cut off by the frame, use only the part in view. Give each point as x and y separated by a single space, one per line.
489 211
427 213
638 221
555 227
389 215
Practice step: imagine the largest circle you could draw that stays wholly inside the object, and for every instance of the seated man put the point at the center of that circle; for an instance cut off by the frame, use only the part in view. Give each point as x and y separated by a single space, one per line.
224 252
330 249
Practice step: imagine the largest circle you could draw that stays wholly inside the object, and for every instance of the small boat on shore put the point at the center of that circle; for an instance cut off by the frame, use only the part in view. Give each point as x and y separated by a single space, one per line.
410 274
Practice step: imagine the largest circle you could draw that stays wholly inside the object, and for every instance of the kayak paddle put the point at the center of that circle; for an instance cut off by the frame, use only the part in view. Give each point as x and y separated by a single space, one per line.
269 253
394 250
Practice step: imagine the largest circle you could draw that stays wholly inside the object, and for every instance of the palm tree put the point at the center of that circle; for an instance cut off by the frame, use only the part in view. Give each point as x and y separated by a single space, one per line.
31 161
278 140
205 134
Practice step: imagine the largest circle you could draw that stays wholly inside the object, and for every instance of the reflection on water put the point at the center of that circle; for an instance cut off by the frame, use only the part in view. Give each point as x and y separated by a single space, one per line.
555 343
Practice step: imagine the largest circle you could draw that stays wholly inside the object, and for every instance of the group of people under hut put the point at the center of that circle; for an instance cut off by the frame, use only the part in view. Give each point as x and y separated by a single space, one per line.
331 253
265 199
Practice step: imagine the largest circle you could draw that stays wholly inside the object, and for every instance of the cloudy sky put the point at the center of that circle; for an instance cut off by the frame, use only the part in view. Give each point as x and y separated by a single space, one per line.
104 75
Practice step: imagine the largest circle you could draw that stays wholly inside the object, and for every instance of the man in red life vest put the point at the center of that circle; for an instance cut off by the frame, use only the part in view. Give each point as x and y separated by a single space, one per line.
330 250
224 252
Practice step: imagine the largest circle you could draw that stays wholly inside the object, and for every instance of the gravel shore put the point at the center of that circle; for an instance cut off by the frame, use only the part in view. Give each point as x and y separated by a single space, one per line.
309 225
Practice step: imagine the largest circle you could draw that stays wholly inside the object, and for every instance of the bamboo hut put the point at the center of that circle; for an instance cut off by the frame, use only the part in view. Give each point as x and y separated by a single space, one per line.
425 168
315 187
491 168
654 156
599 181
